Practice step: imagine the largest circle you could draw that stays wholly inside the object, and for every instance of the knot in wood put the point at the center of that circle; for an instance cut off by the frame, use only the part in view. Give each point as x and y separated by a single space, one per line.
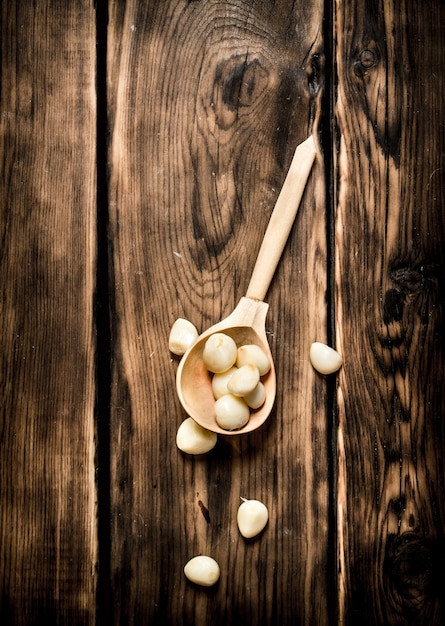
368 58
365 60
411 571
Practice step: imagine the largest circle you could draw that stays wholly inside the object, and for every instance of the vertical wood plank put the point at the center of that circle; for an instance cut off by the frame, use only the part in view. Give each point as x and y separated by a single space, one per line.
48 517
207 103
390 235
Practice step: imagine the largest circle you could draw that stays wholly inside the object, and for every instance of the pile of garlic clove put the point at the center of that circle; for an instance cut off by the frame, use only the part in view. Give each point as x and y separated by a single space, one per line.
236 382
236 377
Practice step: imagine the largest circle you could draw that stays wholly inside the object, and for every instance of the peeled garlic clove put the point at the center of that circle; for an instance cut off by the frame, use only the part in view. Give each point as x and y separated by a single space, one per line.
252 517
193 438
325 359
183 334
257 397
251 353
219 353
202 570
231 412
220 381
244 380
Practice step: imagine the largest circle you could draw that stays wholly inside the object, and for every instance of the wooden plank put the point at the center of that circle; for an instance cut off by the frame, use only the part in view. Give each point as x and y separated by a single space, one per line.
390 235
48 518
208 101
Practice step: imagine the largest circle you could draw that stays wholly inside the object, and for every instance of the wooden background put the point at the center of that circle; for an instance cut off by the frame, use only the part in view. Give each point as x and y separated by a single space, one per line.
143 147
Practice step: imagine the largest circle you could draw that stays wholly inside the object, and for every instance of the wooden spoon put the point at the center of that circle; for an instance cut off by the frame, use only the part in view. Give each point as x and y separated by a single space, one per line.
246 324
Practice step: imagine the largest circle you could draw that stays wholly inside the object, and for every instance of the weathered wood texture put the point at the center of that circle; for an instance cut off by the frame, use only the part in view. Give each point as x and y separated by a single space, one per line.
207 100
389 242
207 103
48 531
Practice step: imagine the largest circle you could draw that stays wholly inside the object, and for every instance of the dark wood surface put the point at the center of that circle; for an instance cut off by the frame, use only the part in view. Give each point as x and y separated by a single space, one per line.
48 530
202 135
389 234
143 147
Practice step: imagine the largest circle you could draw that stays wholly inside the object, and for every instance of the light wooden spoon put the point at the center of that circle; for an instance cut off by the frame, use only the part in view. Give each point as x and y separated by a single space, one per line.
246 324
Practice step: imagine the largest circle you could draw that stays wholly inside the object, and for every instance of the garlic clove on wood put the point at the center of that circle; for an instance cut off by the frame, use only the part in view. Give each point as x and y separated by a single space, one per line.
202 570
252 517
324 359
193 438
183 334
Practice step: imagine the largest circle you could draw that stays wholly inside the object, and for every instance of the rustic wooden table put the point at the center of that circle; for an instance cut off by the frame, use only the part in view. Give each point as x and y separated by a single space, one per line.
143 147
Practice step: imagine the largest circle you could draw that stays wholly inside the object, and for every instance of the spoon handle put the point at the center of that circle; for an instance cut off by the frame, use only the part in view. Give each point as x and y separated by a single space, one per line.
281 220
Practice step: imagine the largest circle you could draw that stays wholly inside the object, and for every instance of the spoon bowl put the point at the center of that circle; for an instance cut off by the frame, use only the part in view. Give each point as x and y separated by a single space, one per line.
246 323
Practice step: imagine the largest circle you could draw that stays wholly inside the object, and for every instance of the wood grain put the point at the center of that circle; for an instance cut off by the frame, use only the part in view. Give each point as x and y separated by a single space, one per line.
48 541
389 234
208 101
